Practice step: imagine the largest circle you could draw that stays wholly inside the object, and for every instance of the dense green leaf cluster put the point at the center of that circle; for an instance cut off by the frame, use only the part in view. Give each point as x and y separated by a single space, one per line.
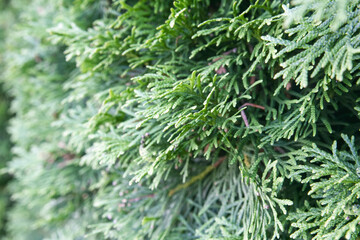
184 119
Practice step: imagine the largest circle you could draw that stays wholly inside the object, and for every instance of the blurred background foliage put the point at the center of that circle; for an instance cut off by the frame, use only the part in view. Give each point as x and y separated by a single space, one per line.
6 20
184 119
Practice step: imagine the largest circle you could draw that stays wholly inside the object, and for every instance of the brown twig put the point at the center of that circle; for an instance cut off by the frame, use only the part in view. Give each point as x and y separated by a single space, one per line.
197 177
243 115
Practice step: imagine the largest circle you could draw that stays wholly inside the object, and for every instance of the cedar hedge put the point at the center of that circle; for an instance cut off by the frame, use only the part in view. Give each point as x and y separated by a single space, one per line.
184 119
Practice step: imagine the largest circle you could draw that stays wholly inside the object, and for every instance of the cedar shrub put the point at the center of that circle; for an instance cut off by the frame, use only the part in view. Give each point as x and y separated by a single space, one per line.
184 119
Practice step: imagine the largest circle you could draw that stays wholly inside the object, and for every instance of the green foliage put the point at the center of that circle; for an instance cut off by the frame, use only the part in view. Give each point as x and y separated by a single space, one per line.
334 182
5 145
184 119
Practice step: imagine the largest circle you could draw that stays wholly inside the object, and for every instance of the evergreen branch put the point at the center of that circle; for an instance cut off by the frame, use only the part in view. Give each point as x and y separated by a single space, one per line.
197 177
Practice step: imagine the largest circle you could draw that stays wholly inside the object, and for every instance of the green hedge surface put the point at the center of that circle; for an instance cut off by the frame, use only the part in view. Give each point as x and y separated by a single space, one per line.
184 119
